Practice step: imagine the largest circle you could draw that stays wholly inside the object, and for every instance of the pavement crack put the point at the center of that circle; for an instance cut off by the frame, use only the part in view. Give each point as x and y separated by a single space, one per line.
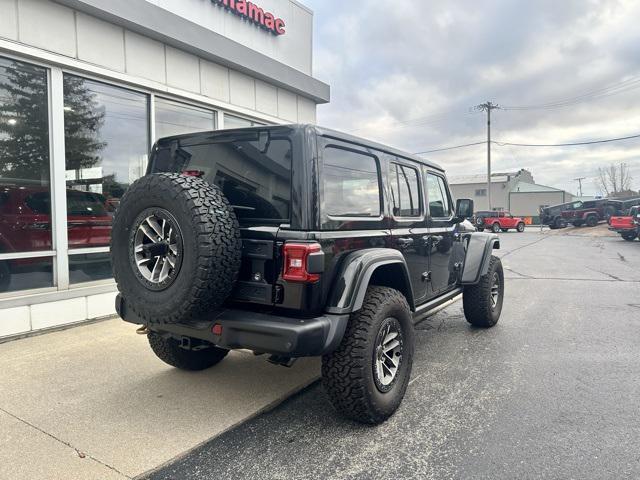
617 279
622 259
523 275
524 246
79 452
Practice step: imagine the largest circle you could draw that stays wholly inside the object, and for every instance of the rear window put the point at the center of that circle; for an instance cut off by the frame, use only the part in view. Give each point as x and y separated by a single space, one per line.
253 170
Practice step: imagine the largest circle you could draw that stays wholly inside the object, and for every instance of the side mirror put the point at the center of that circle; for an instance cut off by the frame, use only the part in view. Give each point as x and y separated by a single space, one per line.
464 208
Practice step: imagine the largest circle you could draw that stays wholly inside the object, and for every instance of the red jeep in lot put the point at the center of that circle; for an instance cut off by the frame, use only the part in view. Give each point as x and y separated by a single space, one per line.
498 221
626 225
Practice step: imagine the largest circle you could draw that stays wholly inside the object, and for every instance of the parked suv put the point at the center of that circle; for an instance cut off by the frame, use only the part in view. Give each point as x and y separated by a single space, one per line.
590 213
552 215
498 221
296 241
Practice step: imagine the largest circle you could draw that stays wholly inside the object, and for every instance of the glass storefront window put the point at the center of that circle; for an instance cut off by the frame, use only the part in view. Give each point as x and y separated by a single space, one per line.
25 218
106 141
173 118
89 268
231 121
25 274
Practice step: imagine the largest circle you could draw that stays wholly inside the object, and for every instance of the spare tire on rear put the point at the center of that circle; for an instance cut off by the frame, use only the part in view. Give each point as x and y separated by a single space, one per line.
175 247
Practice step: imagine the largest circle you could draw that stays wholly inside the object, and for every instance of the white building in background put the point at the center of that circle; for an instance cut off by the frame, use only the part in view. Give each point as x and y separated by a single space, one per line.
515 192
86 86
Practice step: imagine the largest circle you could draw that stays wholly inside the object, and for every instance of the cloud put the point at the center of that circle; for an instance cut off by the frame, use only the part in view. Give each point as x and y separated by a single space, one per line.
407 74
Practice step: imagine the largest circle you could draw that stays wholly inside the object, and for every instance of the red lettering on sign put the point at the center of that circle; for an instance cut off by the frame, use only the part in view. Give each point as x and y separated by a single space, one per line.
255 14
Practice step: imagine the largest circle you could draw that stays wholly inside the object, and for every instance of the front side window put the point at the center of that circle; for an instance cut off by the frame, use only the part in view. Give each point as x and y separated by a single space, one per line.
439 206
350 184
106 141
405 191
252 169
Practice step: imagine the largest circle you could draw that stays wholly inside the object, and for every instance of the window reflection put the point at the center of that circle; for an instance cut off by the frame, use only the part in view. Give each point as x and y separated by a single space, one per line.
25 224
106 141
173 118
89 268
25 274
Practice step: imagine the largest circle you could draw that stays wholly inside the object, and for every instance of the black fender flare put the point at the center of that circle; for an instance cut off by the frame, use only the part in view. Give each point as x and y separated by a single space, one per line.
351 283
479 248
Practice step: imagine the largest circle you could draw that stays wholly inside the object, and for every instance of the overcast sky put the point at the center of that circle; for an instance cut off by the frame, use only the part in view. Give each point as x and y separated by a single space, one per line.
407 73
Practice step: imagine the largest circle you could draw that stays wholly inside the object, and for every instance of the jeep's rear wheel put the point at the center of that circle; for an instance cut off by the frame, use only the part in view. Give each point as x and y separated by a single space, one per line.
495 228
170 352
367 376
482 303
629 236
175 247
520 227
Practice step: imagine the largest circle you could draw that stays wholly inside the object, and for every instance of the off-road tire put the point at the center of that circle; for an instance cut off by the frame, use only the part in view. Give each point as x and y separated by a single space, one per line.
348 373
520 227
211 253
592 221
476 299
169 351
495 228
629 236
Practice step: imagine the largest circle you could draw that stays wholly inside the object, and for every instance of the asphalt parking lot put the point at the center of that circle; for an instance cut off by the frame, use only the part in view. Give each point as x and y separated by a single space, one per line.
552 392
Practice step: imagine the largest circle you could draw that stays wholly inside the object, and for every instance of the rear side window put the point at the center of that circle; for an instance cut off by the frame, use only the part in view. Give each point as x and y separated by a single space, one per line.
351 184
405 191
85 204
253 170
439 206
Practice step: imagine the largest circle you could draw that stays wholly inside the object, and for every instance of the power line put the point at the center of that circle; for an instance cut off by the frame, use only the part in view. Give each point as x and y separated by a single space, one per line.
506 144
451 148
592 142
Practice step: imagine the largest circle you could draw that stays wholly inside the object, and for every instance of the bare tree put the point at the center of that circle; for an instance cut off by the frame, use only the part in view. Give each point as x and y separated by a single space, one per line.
614 179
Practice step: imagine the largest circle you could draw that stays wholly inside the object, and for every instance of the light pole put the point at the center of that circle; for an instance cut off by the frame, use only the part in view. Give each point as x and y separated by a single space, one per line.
487 107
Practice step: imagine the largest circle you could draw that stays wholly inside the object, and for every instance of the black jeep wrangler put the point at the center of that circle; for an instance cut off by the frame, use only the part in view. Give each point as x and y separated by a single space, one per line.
297 241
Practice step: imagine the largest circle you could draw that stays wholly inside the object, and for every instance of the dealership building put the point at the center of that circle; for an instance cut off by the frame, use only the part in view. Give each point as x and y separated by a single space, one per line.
86 86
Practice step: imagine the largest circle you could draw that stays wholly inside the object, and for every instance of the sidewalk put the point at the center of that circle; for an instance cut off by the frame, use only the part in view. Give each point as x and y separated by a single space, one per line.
94 402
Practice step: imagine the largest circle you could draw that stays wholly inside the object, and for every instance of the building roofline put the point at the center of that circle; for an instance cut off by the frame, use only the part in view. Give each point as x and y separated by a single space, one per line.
159 24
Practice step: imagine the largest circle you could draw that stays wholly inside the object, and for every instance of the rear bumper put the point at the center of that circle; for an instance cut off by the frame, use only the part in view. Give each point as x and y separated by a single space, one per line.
263 333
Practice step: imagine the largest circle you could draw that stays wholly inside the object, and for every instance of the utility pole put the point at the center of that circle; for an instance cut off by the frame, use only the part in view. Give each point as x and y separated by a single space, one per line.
487 107
579 180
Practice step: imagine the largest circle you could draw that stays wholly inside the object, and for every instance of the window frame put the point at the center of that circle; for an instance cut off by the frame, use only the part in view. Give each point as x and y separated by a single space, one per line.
393 163
351 218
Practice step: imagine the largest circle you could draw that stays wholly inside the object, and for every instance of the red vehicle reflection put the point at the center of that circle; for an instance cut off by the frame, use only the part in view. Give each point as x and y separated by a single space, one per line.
26 226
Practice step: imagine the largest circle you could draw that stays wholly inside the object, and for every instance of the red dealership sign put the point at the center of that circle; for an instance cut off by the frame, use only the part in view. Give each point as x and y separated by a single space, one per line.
254 14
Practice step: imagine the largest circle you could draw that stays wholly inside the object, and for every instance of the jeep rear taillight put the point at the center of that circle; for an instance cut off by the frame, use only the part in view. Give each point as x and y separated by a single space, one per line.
297 259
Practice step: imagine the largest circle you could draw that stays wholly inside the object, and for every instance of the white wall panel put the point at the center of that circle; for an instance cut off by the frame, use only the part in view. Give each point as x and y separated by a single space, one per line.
62 312
214 80
183 70
242 90
306 110
100 42
8 19
102 305
14 321
266 98
145 57
287 105
47 25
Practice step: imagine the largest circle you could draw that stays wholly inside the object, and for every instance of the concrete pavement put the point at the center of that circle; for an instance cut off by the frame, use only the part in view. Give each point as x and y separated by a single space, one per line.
94 402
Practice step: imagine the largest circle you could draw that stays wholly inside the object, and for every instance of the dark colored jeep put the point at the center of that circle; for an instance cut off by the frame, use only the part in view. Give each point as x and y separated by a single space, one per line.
590 213
297 241
552 215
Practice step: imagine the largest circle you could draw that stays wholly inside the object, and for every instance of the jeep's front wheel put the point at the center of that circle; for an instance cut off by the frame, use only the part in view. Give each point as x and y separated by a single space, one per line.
482 302
495 228
520 227
629 236
172 353
367 376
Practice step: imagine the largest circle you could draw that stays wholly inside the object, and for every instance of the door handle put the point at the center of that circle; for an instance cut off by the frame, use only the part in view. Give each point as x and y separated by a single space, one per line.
405 242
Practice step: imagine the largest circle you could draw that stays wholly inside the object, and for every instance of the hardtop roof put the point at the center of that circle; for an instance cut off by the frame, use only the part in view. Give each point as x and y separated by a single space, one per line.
325 132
